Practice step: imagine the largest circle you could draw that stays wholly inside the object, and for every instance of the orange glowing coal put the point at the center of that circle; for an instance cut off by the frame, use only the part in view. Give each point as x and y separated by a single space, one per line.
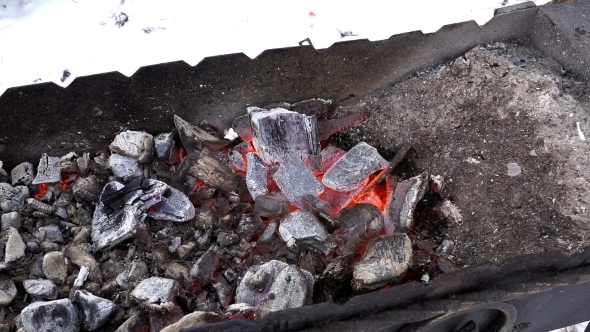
41 189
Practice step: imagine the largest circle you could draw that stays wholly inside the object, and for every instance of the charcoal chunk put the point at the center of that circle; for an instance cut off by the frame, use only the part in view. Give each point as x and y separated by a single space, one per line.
386 260
11 219
349 172
399 211
296 180
300 228
359 223
125 168
256 177
94 310
49 170
214 173
12 246
205 266
448 213
275 286
122 207
12 198
316 107
22 174
269 206
134 144
158 293
278 134
55 267
249 226
7 291
241 126
57 315
194 138
87 189
163 145
41 288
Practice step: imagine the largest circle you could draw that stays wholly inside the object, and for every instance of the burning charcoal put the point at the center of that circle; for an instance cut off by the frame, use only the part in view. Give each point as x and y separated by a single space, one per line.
7 291
301 229
256 177
227 239
125 168
446 247
121 209
279 134
386 260
134 144
215 174
237 161
349 172
296 180
159 319
12 246
137 271
240 310
340 268
205 266
359 223
156 293
11 219
22 174
316 107
275 286
205 219
55 267
41 288
321 210
222 290
49 170
58 315
269 206
194 138
12 198
94 311
268 237
329 156
249 226
241 126
327 128
230 221
87 189
448 213
194 319
399 211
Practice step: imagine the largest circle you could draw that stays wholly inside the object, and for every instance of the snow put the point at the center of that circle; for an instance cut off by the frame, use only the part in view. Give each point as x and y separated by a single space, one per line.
40 39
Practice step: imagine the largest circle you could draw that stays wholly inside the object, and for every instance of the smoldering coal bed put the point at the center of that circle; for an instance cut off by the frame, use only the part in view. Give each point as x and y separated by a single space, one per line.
269 218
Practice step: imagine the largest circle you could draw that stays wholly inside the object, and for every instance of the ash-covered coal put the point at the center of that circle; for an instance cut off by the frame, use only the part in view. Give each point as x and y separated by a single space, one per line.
183 228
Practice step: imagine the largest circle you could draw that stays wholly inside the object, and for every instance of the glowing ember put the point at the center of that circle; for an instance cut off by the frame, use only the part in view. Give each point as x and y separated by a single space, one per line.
41 189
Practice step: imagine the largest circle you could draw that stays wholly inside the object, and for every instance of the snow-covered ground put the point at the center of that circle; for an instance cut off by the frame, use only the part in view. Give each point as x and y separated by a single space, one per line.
40 39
